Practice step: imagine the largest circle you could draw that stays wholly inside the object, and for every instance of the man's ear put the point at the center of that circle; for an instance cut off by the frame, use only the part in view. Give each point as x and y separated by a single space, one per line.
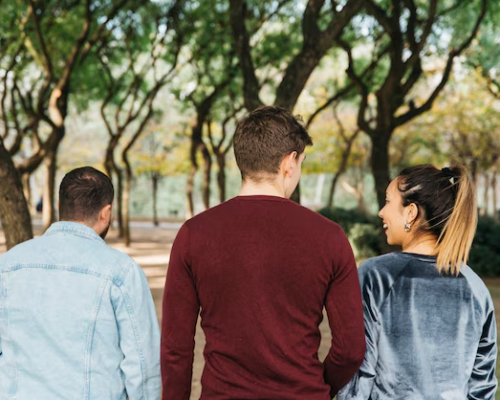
289 163
105 213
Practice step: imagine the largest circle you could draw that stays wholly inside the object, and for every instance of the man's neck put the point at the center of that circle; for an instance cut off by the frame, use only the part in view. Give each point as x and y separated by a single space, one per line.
266 188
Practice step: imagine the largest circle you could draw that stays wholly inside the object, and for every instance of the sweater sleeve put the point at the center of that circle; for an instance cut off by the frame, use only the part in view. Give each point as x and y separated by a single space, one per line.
483 382
180 312
345 315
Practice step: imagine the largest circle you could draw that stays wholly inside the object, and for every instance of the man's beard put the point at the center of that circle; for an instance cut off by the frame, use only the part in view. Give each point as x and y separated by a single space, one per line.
105 231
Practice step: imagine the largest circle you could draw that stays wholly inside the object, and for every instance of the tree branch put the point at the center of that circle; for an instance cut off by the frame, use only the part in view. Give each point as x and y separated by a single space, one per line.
363 89
315 45
47 64
251 87
412 113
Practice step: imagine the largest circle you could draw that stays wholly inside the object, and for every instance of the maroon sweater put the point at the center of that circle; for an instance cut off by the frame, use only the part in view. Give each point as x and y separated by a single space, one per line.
261 268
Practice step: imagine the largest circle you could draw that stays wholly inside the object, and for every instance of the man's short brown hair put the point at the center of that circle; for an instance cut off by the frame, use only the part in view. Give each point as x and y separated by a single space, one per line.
266 136
83 193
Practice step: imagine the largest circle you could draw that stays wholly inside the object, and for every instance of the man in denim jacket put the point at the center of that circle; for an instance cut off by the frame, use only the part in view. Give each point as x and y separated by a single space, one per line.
77 320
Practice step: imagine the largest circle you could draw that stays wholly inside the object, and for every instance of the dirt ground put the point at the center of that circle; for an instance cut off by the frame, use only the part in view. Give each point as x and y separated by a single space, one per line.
150 248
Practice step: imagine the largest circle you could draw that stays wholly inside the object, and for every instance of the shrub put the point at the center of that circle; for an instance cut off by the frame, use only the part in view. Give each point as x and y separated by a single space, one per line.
361 229
485 251
364 240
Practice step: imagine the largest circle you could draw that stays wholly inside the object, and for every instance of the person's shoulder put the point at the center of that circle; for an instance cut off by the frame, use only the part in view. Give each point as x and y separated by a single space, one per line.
121 264
384 265
16 253
316 218
476 284
209 216
378 275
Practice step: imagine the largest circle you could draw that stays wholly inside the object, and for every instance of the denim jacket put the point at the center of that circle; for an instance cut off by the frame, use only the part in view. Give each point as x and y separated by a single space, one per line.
77 320
429 336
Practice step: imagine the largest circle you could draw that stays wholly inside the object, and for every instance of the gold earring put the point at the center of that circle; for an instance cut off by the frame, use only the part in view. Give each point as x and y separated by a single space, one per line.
407 227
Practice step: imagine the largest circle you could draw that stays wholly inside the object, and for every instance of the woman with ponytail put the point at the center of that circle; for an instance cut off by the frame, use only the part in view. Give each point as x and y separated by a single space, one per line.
429 319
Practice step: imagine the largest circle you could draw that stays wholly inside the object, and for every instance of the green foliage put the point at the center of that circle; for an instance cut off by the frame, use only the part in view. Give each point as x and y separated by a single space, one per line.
161 153
485 253
361 229
364 240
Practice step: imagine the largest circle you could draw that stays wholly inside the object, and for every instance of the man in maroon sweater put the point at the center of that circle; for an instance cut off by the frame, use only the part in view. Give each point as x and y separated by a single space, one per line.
261 268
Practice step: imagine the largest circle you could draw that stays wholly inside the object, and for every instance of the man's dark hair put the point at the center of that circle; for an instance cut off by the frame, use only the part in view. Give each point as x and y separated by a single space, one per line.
83 193
264 137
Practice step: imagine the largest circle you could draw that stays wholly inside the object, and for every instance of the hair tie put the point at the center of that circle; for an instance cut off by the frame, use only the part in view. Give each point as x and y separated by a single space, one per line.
449 174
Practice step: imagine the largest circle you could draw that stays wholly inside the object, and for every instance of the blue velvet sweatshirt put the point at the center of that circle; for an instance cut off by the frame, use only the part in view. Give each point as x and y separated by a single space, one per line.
428 335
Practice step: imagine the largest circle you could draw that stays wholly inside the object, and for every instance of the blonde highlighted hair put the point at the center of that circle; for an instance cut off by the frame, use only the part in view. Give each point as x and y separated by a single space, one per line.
446 200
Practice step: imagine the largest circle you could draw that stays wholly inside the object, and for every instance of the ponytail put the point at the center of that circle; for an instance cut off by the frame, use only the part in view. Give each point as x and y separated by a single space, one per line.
446 199
455 240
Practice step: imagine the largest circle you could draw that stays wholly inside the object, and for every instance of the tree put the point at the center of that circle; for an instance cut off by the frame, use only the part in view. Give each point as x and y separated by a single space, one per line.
320 26
212 70
14 214
150 45
220 146
402 36
463 125
160 155
45 32
343 143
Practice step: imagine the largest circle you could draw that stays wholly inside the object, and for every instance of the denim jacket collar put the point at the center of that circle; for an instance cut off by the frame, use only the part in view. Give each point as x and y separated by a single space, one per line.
75 228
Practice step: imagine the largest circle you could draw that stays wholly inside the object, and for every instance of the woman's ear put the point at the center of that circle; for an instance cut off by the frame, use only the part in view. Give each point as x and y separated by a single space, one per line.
412 214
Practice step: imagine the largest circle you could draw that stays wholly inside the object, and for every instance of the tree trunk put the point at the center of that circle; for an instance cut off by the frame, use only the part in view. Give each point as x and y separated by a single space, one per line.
25 179
119 201
48 211
154 180
221 177
126 203
473 171
207 169
197 144
296 194
112 168
380 169
189 193
14 213
380 164
494 194
342 168
360 186
486 198
331 194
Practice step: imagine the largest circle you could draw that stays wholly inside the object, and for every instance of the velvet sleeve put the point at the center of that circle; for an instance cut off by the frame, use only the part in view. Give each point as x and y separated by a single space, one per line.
483 382
373 294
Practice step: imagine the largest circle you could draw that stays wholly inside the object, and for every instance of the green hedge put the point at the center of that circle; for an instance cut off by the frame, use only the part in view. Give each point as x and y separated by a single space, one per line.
363 233
361 229
485 252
